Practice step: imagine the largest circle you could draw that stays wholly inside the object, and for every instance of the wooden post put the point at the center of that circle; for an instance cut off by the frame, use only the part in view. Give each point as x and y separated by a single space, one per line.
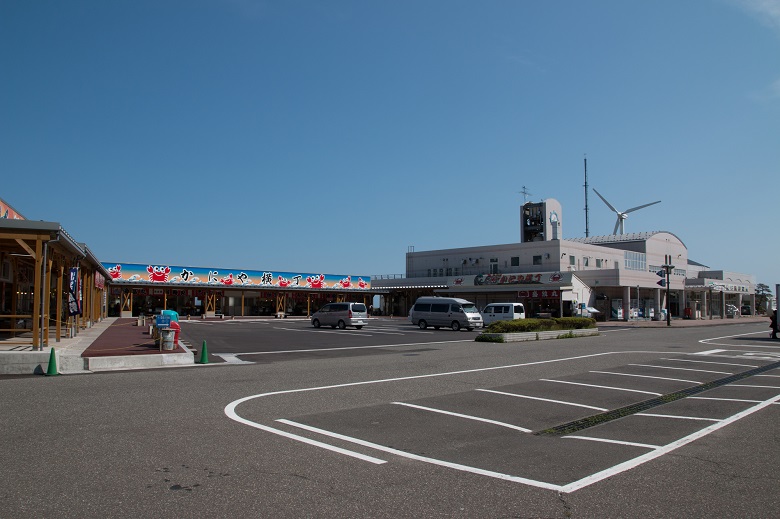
60 273
47 300
36 313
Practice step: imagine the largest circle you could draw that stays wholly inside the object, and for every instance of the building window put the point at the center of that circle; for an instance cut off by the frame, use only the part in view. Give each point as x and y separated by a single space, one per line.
429 273
537 260
635 260
449 271
572 260
598 263
515 261
586 261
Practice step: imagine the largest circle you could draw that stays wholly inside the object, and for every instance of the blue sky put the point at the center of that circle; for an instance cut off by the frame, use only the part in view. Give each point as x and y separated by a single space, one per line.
329 136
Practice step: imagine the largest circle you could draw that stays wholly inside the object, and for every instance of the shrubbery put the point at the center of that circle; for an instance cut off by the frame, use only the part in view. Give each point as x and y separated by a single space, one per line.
541 325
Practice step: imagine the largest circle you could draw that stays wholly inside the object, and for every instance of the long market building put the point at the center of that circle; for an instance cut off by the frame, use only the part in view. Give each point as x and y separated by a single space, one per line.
52 286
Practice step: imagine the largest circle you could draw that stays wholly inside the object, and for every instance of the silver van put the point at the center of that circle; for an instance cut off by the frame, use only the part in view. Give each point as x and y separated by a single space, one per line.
503 312
445 311
341 315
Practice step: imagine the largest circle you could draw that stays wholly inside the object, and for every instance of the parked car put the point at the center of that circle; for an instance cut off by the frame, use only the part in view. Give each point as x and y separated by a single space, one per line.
502 312
451 312
341 315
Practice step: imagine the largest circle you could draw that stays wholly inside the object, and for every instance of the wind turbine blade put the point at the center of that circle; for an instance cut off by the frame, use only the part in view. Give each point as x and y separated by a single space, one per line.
640 207
617 224
605 200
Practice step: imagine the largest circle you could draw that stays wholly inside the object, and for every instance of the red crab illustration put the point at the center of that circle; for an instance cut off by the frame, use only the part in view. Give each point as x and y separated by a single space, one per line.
284 282
116 272
361 283
228 280
316 281
346 282
158 274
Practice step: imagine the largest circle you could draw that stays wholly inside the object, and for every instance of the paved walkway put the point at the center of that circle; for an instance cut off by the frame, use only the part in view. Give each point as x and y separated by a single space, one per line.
111 344
685 323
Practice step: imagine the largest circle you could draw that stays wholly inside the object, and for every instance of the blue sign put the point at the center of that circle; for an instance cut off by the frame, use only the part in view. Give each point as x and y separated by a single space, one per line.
163 321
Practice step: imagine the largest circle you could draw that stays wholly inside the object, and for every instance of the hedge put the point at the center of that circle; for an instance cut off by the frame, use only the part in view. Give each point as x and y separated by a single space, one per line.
541 325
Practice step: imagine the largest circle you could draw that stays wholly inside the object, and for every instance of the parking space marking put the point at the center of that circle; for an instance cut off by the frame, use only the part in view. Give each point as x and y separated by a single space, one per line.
231 358
655 415
723 399
683 369
617 442
657 453
647 376
601 387
542 399
433 461
468 417
311 350
749 385
711 362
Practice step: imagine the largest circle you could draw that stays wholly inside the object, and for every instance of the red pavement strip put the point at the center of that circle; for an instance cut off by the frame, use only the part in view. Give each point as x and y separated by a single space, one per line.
124 337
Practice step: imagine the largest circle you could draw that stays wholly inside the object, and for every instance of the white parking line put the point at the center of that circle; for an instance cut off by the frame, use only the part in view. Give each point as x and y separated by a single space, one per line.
542 399
647 376
601 387
727 399
654 415
468 417
711 362
749 385
351 348
683 369
618 442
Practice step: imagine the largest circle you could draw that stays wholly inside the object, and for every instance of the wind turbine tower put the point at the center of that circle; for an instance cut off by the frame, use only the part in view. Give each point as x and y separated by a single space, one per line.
622 215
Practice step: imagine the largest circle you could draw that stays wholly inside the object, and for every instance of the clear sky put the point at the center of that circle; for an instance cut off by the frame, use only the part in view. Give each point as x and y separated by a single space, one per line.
329 136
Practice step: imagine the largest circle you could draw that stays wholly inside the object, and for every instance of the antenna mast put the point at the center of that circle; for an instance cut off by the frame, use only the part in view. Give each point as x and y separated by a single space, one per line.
525 194
587 222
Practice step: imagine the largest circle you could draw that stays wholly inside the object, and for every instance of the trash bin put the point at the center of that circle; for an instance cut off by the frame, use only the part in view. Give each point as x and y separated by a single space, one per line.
166 336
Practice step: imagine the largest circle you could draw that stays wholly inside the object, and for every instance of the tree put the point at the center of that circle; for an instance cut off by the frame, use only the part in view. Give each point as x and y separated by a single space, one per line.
762 295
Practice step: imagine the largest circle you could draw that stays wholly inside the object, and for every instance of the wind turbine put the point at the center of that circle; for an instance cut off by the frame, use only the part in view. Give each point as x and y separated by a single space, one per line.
622 215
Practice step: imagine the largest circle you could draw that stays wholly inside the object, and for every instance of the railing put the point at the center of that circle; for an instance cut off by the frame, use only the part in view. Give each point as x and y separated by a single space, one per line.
388 276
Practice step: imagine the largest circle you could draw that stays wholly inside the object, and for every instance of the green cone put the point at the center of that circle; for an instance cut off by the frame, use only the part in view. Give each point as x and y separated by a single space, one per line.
204 355
52 365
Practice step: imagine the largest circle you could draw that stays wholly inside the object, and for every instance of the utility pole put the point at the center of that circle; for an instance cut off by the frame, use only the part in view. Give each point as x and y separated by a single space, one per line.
587 222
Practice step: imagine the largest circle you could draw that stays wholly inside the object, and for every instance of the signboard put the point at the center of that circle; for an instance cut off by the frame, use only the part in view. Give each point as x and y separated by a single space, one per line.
163 321
223 278
74 293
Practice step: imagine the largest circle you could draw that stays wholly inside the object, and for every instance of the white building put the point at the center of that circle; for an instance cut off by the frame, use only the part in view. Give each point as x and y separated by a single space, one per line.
616 274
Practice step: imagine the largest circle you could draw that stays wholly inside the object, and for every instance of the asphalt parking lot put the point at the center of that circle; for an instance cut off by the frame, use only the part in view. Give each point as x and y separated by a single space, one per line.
390 422
267 340
564 431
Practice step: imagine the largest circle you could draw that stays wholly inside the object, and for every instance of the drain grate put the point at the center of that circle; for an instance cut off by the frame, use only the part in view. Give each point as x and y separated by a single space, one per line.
614 414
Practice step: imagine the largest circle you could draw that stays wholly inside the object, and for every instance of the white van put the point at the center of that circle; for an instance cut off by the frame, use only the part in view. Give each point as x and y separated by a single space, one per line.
503 312
445 311
341 315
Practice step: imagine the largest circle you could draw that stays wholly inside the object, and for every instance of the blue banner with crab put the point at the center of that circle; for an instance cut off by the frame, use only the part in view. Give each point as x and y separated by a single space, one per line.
172 275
